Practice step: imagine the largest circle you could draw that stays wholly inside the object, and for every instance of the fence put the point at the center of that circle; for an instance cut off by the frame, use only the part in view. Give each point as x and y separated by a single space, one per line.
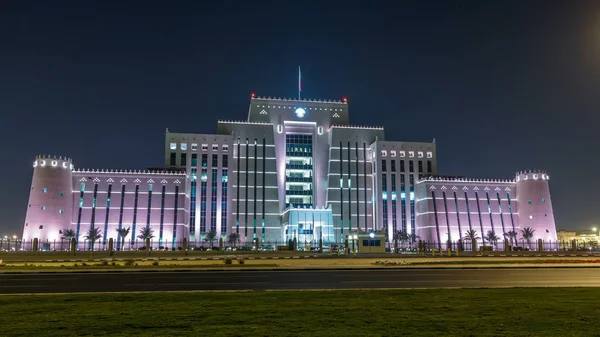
393 247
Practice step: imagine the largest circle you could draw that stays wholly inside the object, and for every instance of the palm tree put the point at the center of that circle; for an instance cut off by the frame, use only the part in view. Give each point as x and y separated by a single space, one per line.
527 234
93 234
492 237
123 232
211 236
67 234
471 235
233 238
511 235
401 236
412 237
146 233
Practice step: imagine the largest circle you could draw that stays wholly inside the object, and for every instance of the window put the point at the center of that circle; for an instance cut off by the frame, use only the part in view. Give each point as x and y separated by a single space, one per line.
411 166
393 165
429 167
183 146
420 154
530 217
173 159
402 168
383 166
411 153
183 159
545 214
45 190
530 202
225 148
393 153
194 146
402 154
173 146
420 166
543 199
42 227
429 154
194 159
383 153
204 160
215 147
60 194
204 147
215 160
371 243
225 159
60 211
43 208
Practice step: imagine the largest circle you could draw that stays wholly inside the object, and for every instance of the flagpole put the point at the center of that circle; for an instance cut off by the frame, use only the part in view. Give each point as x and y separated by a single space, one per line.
299 83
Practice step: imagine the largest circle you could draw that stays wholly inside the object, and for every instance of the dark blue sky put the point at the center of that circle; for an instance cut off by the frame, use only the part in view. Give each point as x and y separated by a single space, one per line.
501 85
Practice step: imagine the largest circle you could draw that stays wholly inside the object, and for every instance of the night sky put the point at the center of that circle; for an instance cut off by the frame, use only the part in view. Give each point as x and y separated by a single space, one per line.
502 86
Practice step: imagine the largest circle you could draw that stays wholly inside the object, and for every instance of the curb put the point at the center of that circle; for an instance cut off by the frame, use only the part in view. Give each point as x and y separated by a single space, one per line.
174 259
278 269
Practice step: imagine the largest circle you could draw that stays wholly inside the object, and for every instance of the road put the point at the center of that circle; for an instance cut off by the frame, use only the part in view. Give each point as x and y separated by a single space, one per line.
296 279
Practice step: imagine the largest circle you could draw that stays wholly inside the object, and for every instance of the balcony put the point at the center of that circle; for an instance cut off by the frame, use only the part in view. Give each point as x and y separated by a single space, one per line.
300 192
299 179
298 166
298 205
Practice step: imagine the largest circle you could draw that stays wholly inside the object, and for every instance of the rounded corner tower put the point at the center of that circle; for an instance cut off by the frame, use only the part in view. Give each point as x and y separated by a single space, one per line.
50 199
535 204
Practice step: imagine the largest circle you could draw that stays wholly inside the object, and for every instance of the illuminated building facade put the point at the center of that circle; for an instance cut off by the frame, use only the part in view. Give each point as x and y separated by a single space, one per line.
293 169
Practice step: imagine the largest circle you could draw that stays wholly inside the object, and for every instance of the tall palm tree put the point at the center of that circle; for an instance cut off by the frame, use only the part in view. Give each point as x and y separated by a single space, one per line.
146 233
211 236
511 235
93 234
401 236
527 234
123 232
412 237
233 238
67 234
471 235
492 237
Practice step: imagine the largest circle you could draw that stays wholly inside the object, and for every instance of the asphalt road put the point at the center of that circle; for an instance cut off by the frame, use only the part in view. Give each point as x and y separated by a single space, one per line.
281 280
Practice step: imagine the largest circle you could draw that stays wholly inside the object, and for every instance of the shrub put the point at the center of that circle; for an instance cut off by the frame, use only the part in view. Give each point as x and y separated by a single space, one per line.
84 264
128 263
228 260
113 264
104 263
241 261
155 263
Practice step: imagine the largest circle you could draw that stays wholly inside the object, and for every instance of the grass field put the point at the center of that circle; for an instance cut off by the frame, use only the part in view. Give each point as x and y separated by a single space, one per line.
460 312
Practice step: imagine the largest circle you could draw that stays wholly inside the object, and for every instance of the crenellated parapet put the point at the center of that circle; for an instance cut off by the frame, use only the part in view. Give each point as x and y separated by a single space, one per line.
53 161
356 127
465 180
243 122
308 100
532 175
132 172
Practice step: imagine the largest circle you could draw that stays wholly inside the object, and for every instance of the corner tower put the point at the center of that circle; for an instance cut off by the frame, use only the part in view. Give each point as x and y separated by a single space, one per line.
534 204
50 199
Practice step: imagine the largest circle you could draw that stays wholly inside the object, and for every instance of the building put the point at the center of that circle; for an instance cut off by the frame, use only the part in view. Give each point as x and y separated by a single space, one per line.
293 169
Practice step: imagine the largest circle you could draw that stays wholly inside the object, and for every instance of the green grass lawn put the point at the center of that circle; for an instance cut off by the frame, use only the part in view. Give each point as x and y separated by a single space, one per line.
465 312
